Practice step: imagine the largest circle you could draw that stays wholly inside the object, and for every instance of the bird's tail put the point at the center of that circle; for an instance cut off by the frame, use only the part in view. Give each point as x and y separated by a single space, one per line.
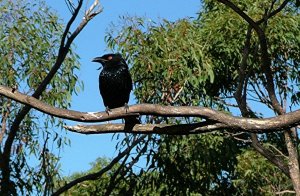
132 120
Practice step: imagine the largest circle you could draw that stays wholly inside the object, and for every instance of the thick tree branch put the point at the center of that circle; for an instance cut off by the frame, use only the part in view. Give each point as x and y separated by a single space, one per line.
240 97
293 163
269 85
269 155
5 115
183 129
247 124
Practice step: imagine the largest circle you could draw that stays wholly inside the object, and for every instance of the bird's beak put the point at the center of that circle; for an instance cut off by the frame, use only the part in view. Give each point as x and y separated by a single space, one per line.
99 60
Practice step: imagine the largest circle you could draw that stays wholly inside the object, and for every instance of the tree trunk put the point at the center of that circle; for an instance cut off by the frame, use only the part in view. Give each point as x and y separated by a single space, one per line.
293 160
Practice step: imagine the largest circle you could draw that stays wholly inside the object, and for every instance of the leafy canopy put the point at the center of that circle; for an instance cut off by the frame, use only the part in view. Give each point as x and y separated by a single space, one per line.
197 62
30 37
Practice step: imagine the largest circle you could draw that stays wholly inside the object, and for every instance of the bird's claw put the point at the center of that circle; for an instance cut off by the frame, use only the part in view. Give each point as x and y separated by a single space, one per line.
107 110
126 107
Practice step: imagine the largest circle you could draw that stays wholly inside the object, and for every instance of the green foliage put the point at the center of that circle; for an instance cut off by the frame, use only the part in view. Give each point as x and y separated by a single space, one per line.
257 176
127 185
226 33
30 37
196 164
197 62
87 188
167 69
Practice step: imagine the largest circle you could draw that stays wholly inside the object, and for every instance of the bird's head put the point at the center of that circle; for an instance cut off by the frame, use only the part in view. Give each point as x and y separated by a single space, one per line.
109 59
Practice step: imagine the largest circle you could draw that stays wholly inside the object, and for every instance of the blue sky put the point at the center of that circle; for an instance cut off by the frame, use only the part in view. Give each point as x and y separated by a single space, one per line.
90 43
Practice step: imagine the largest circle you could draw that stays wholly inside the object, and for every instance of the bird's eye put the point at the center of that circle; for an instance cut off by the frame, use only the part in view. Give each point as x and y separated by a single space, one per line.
109 58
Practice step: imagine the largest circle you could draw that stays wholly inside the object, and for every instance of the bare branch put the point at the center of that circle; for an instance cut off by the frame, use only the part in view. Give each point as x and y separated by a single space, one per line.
284 192
260 94
70 6
242 81
68 26
293 161
277 150
95 9
277 123
237 136
183 129
270 155
5 115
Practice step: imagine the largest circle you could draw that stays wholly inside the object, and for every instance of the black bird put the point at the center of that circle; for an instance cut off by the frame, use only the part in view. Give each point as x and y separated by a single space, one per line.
115 83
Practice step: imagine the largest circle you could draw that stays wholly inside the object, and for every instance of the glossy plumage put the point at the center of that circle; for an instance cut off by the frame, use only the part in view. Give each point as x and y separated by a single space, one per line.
115 81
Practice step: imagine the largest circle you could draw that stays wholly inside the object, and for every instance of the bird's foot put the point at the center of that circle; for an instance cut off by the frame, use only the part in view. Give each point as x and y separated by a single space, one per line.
126 107
107 110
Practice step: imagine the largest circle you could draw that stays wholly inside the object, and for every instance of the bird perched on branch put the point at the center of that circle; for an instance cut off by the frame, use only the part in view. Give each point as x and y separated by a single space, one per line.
115 83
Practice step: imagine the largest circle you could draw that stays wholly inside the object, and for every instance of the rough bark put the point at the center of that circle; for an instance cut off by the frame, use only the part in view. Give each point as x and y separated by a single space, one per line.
277 123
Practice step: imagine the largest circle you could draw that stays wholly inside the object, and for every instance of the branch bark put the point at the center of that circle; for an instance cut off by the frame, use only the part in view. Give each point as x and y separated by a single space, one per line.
277 123
183 129
270 156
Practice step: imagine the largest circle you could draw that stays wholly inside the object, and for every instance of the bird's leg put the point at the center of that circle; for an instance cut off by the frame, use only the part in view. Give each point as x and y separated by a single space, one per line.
126 107
107 110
